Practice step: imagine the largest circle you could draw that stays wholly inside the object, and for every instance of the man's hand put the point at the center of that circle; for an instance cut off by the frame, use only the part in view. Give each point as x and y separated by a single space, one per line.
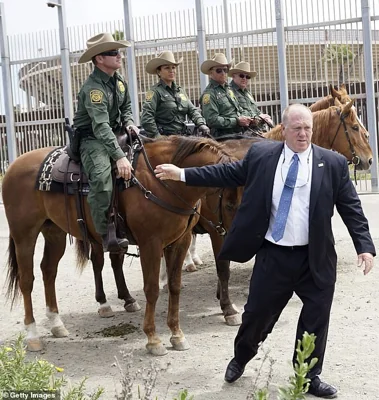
204 130
267 119
244 121
167 171
124 168
132 129
366 260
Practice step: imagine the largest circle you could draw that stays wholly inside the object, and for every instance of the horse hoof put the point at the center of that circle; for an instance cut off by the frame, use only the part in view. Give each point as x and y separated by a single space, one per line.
132 307
233 320
105 312
191 268
59 331
179 343
34 344
197 260
156 349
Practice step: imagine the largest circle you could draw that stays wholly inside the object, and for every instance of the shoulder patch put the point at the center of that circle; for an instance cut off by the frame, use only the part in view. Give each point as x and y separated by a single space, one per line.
121 86
96 96
149 95
183 96
206 98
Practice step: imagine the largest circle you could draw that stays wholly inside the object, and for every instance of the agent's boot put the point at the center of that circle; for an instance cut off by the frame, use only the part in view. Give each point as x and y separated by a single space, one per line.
116 246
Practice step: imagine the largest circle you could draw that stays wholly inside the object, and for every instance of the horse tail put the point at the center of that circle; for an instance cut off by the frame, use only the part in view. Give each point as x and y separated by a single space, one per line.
12 280
81 255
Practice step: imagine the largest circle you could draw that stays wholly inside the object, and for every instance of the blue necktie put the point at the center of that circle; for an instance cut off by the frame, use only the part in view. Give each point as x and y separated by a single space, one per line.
285 200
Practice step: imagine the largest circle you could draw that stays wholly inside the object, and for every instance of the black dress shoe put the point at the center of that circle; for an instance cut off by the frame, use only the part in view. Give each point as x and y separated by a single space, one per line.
321 389
234 371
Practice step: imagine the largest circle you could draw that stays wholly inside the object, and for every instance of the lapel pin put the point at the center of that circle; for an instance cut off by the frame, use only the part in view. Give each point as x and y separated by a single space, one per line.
321 164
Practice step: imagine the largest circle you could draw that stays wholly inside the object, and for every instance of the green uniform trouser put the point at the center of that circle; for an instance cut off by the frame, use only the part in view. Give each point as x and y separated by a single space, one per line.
97 166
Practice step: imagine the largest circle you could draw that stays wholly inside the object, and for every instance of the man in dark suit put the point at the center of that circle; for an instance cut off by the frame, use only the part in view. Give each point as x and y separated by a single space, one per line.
285 220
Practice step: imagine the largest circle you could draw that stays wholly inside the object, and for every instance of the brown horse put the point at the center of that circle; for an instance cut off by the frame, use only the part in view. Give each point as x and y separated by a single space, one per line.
328 101
154 228
338 126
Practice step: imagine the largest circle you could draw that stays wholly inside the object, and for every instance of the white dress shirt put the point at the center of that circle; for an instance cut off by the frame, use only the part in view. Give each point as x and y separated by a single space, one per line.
296 232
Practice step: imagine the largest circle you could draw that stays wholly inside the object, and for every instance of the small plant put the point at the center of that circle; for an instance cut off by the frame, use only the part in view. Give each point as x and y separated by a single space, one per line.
183 395
299 383
18 374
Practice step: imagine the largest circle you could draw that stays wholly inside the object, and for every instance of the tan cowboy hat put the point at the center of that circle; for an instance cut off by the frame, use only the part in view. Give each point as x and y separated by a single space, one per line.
100 43
243 67
218 60
165 58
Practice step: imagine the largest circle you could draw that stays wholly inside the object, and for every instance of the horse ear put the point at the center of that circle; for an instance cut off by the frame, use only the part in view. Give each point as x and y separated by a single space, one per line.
337 103
335 93
347 107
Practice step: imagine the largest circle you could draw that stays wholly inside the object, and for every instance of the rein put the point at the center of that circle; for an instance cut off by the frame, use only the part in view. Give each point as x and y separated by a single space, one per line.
190 211
355 159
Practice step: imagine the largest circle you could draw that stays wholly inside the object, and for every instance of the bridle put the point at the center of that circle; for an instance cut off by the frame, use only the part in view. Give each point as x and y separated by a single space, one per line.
191 211
355 159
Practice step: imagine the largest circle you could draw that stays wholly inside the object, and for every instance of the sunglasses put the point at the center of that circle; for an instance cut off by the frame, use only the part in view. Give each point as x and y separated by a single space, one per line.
242 76
221 70
111 53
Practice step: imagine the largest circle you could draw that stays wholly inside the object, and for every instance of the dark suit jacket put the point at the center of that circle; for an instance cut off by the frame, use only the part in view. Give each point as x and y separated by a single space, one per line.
330 186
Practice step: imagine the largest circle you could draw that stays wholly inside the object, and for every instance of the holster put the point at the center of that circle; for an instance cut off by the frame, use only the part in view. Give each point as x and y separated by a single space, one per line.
74 137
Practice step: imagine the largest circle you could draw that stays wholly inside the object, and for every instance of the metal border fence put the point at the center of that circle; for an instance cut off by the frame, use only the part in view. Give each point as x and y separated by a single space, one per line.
297 48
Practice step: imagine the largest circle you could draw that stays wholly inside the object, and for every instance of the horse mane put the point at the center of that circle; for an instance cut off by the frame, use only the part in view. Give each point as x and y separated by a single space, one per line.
186 146
275 133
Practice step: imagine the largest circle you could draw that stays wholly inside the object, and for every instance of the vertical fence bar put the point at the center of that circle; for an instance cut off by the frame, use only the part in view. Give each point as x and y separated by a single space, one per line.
201 41
281 49
370 94
7 87
131 60
227 30
65 60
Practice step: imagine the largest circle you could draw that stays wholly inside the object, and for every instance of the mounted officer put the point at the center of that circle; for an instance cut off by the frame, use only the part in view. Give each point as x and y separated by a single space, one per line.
241 74
104 111
167 105
218 102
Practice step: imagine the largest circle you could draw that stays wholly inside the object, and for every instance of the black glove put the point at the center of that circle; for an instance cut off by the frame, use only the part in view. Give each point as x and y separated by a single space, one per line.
204 130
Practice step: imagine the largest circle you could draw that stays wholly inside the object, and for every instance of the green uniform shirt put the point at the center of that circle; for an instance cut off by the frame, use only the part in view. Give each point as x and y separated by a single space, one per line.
245 100
103 104
166 108
220 109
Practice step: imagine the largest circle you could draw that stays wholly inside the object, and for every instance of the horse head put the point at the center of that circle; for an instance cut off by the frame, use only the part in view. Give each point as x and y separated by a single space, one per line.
349 136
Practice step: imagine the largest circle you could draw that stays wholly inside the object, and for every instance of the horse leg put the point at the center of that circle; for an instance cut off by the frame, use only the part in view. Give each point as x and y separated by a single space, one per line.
174 258
150 261
130 304
97 259
55 246
21 252
231 314
163 275
195 257
189 264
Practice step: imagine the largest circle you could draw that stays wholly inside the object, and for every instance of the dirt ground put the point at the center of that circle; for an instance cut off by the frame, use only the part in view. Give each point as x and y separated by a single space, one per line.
353 347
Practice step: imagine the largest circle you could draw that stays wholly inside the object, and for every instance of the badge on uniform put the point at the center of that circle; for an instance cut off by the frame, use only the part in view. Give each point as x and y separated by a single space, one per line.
96 96
183 96
206 99
231 94
121 87
149 95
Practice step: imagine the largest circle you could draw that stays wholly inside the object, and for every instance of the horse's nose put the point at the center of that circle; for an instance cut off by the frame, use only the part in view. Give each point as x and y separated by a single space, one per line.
370 161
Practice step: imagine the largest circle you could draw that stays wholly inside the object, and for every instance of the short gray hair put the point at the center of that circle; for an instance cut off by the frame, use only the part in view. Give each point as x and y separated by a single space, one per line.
293 107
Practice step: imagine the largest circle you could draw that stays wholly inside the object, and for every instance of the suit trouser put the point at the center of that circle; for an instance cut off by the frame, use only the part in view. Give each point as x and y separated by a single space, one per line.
97 166
278 272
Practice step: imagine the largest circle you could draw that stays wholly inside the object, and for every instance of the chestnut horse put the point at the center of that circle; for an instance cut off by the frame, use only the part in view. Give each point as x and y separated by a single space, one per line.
336 128
328 101
155 229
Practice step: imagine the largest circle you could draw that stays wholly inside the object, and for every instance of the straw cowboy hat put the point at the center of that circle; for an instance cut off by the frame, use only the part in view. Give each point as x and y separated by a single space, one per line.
100 43
218 60
165 58
243 67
